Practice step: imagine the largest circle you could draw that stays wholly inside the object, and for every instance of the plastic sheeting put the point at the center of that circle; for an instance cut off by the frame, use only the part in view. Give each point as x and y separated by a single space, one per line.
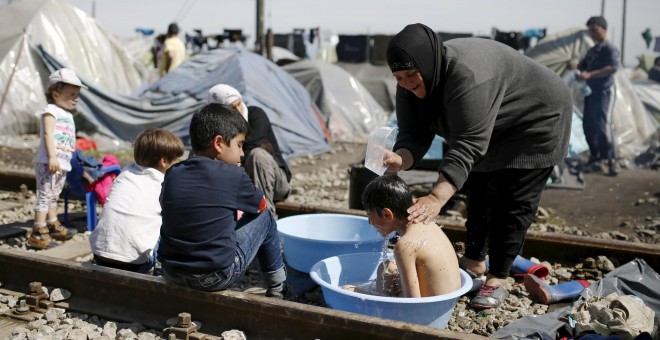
378 79
349 108
632 125
649 93
635 278
170 102
72 37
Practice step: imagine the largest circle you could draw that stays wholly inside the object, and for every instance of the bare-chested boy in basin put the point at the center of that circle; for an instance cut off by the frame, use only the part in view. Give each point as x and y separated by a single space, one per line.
426 261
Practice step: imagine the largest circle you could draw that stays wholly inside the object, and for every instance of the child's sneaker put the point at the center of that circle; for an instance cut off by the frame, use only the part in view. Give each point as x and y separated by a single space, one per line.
40 239
60 232
278 291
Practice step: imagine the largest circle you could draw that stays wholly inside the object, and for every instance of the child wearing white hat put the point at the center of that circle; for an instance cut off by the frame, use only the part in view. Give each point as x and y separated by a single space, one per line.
53 159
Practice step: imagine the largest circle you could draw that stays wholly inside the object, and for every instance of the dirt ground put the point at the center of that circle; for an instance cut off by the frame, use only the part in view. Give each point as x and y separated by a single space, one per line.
608 203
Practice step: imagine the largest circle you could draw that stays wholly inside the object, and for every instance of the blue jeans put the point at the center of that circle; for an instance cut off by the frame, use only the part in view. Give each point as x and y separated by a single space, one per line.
597 126
256 235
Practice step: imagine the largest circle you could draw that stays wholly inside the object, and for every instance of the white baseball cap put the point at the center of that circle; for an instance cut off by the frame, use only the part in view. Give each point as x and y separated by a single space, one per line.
65 75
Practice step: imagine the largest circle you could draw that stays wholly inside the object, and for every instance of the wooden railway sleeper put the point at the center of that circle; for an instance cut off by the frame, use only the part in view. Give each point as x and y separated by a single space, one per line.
185 329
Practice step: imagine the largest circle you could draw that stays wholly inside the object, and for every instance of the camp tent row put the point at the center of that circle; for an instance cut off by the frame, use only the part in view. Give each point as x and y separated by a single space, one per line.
43 35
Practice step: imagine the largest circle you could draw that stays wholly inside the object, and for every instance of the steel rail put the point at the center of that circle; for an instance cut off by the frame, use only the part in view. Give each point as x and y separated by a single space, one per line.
130 297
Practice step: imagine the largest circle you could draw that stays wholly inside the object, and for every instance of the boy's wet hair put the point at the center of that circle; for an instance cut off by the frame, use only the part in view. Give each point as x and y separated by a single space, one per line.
215 120
153 144
388 191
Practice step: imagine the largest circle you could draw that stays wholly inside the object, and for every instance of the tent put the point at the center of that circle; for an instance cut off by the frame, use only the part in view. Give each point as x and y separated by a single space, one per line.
377 79
349 109
632 125
170 102
73 38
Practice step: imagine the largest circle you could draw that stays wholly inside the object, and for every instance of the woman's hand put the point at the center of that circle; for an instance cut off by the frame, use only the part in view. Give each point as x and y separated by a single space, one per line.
393 161
425 209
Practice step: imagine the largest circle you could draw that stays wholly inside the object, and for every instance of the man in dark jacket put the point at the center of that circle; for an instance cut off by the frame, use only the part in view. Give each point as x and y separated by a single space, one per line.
597 69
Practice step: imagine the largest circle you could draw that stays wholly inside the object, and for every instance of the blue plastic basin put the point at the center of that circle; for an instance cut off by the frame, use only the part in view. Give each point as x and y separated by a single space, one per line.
307 239
334 272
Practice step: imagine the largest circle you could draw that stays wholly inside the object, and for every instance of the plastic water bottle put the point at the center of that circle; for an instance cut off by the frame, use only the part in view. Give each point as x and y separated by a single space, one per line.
585 90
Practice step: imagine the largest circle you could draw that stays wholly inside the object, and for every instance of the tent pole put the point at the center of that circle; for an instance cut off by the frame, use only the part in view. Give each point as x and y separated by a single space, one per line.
602 8
623 31
259 48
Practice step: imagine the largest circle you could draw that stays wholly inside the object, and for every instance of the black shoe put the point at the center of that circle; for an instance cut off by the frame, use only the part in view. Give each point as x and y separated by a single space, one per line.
594 167
612 171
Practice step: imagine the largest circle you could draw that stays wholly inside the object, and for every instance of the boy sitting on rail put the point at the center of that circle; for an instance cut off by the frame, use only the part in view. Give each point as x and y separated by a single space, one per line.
426 261
203 244
129 226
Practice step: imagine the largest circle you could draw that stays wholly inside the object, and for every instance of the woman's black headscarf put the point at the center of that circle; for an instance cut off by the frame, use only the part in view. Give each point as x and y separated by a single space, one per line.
417 47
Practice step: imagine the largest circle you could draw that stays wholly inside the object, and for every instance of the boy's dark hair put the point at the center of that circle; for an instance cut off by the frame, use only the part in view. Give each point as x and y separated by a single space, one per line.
598 21
388 191
153 144
215 120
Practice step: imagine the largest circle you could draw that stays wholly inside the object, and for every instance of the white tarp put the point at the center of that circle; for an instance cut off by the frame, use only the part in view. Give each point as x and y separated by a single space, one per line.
73 38
349 109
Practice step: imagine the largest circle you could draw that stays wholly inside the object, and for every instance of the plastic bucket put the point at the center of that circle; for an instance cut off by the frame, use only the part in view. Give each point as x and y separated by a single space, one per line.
358 180
307 239
336 271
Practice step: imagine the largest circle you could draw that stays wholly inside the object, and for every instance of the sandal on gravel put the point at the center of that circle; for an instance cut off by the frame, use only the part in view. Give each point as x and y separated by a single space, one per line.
489 297
40 239
60 232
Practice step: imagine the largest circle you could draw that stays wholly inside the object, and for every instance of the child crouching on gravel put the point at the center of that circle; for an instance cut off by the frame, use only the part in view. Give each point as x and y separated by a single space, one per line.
424 257
53 159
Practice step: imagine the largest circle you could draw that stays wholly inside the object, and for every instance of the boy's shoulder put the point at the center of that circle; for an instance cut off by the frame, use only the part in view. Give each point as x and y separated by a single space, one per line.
205 164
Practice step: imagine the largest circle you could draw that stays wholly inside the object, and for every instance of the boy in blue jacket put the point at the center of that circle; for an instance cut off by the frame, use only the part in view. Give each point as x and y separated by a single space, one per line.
203 243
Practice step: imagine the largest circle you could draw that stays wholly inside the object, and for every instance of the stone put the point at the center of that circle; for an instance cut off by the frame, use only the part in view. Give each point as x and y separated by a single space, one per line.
233 334
59 294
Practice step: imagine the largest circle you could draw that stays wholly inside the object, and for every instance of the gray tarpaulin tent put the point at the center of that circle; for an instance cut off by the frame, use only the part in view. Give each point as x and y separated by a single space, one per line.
170 102
350 110
72 37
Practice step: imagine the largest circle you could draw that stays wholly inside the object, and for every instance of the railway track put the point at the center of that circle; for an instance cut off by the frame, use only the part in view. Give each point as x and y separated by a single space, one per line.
129 297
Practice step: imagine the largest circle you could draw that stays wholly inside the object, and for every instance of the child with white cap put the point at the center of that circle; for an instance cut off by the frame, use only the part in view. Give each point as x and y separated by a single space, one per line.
263 160
53 159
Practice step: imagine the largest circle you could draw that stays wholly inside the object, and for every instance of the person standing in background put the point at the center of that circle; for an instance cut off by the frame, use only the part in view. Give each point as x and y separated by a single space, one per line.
173 52
597 68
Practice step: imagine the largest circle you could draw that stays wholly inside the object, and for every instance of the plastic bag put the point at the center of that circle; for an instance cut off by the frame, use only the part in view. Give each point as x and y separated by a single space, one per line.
380 140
